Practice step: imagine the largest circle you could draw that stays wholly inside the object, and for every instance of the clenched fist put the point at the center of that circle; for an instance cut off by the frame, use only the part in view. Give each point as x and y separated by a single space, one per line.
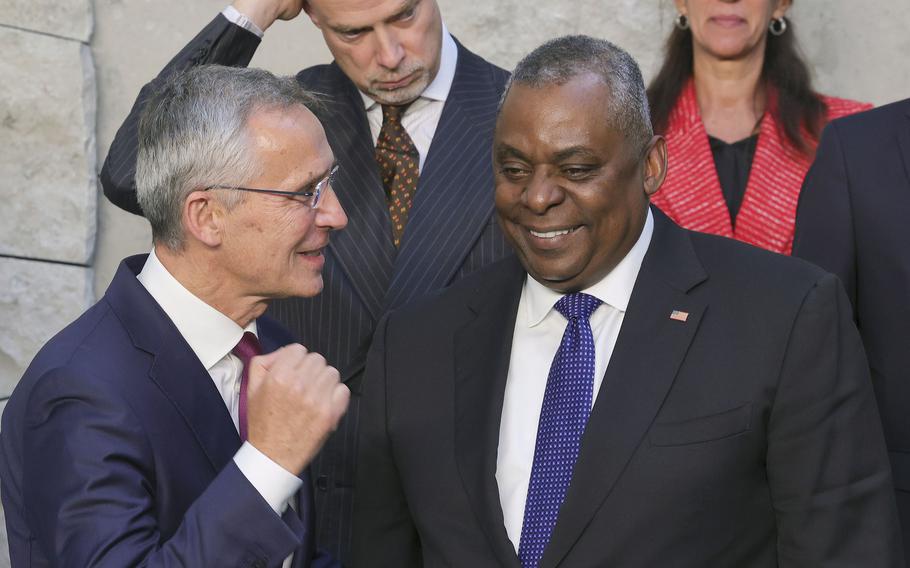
264 12
294 401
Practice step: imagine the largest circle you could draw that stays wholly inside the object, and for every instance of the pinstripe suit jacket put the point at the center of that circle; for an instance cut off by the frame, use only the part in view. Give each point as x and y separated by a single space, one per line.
450 233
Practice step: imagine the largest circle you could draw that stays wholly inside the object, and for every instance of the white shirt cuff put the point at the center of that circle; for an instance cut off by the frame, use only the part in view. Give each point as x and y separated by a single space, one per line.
235 17
276 484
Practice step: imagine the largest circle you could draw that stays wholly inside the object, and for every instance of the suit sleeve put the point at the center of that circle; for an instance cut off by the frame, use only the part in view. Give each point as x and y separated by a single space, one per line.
826 460
220 42
824 218
89 479
384 532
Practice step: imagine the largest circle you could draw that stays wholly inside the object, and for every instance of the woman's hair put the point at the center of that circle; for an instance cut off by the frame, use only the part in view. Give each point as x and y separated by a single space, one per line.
800 110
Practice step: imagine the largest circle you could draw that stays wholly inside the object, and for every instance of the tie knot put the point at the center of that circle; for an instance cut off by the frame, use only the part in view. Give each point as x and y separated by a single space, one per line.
247 348
577 306
392 113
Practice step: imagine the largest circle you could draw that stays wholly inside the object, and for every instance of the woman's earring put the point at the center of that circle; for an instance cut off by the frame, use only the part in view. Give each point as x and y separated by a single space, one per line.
777 26
682 22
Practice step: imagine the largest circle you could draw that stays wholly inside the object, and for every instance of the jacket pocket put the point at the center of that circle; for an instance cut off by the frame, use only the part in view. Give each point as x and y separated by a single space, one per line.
702 428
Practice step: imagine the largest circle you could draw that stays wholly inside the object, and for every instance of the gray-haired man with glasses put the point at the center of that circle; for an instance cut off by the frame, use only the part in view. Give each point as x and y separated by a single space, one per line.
171 424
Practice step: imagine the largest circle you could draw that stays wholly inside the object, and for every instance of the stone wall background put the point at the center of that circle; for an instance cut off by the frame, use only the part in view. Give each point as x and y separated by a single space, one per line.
61 241
47 177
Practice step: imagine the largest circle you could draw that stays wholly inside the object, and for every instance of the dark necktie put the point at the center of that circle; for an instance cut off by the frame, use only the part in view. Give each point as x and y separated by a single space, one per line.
247 348
398 161
563 416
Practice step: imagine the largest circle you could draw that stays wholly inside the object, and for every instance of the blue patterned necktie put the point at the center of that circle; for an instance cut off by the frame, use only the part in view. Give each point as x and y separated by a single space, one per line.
565 410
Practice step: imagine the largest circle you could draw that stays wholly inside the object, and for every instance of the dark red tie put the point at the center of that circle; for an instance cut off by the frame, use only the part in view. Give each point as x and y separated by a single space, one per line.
247 348
399 162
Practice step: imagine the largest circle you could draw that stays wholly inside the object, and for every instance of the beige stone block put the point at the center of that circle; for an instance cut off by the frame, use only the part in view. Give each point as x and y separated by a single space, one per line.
856 50
506 30
37 299
65 18
47 132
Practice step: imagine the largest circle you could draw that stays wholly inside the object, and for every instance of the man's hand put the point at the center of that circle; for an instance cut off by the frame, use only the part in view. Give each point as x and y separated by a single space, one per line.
264 12
294 400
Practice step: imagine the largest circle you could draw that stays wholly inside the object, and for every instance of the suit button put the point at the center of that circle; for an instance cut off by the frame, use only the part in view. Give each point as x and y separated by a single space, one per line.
322 483
260 563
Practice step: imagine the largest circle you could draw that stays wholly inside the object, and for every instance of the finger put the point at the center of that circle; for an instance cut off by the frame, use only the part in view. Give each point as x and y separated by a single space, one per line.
341 396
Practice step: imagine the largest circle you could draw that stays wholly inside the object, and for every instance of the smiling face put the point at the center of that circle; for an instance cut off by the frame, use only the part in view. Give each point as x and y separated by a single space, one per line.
730 30
389 48
571 192
273 244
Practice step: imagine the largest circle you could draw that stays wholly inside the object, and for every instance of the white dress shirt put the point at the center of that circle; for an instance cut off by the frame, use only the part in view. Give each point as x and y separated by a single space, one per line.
538 332
212 335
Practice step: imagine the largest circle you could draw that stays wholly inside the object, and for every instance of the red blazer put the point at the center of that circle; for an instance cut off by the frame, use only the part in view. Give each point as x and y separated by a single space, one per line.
691 193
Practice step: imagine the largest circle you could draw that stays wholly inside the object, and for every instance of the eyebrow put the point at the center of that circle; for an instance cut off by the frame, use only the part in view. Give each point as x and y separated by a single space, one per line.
311 183
574 152
405 6
504 151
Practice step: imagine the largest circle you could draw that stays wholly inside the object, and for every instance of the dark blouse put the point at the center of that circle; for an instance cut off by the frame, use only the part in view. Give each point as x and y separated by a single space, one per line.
733 163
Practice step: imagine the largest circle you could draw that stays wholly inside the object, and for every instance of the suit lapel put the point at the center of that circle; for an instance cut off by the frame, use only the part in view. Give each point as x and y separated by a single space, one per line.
767 215
482 351
175 369
648 353
364 248
454 199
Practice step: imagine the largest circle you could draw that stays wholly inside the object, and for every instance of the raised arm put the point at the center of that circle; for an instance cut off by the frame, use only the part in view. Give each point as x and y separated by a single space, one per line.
220 42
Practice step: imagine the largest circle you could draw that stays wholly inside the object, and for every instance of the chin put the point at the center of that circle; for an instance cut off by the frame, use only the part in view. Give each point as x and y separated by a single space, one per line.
400 96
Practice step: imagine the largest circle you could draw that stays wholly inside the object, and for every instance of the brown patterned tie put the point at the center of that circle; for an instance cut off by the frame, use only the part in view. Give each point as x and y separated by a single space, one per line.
398 161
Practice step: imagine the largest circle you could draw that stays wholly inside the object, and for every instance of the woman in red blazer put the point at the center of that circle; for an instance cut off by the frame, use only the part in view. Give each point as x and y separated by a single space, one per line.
735 103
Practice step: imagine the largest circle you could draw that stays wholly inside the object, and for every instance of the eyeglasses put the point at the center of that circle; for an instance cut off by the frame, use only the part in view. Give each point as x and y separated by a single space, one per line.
310 198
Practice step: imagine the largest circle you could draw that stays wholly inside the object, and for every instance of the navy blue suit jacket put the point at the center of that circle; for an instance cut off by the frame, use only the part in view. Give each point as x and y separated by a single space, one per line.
853 220
117 451
451 230
746 436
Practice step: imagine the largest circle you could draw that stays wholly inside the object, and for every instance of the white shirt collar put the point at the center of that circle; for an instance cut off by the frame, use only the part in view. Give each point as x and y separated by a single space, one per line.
438 89
614 289
210 334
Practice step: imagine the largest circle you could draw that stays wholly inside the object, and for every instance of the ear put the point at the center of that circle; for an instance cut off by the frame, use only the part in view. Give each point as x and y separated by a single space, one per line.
203 218
680 6
655 165
782 7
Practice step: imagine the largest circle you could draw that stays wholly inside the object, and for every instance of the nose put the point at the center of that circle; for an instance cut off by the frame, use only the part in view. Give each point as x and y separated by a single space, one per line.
542 192
389 51
330 214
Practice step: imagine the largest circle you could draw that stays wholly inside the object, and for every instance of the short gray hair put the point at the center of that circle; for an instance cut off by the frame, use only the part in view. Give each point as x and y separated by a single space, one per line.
192 135
562 59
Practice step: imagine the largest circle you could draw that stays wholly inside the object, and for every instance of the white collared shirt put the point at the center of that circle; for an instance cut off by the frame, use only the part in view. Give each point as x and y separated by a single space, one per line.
212 335
538 332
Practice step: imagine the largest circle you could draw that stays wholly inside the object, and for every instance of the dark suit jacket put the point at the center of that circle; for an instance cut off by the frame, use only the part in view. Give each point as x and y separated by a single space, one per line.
450 232
746 436
117 451
853 220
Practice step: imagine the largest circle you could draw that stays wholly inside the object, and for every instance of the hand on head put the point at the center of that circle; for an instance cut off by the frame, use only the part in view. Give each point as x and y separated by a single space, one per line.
263 13
295 400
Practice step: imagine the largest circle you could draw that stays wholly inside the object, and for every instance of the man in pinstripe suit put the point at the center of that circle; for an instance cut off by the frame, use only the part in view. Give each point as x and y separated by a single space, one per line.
388 53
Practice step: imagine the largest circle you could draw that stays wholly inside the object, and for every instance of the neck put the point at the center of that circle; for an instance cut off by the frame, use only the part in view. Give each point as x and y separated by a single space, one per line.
729 93
204 279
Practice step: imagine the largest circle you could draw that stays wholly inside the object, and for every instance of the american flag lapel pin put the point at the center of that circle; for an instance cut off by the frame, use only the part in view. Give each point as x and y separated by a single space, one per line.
679 315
